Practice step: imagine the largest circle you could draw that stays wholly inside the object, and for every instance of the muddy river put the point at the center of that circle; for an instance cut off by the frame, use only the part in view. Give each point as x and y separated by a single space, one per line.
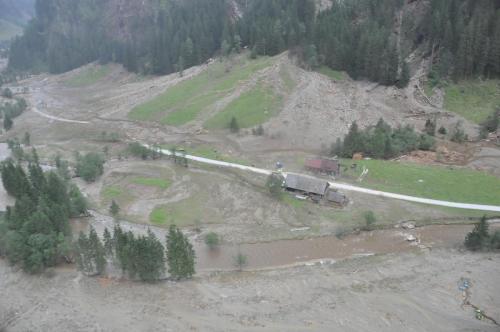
321 250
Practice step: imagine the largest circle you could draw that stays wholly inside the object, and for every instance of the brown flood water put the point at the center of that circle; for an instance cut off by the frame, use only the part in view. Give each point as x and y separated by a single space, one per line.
325 249
328 249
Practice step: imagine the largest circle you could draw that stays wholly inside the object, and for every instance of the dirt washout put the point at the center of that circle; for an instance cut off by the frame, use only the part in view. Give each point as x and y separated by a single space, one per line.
405 292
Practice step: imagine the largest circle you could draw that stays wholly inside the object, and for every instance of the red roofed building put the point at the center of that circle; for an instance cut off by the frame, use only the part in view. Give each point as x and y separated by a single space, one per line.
321 165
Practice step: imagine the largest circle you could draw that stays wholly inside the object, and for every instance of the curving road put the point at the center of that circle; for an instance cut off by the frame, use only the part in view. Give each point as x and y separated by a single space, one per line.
56 118
344 186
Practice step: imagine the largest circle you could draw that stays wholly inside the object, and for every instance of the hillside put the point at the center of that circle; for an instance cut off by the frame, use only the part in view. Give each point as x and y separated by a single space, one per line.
380 43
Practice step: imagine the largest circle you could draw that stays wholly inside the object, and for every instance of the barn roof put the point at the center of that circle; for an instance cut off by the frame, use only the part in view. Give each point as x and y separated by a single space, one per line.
306 183
336 197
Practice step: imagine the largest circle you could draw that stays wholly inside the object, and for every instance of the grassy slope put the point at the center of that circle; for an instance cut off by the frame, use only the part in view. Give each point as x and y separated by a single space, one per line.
152 182
458 185
333 74
181 103
9 30
88 76
250 109
474 100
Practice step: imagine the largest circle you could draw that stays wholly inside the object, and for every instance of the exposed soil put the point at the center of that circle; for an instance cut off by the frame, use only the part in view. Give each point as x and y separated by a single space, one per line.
394 292
413 289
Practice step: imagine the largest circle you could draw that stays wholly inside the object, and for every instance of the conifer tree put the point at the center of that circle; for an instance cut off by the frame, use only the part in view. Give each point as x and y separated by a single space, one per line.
180 254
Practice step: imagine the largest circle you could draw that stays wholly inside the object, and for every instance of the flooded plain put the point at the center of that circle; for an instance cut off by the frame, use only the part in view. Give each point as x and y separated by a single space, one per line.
320 250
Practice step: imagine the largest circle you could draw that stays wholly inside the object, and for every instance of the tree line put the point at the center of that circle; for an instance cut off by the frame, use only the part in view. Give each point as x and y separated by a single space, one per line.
140 257
461 36
381 141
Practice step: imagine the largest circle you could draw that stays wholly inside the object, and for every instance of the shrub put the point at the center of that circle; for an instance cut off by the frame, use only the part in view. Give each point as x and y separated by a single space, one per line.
370 220
233 125
90 166
212 240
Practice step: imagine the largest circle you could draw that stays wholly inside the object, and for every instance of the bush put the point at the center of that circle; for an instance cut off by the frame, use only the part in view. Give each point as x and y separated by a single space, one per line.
459 135
370 220
479 239
90 166
212 240
7 93
442 130
275 184
233 125
240 261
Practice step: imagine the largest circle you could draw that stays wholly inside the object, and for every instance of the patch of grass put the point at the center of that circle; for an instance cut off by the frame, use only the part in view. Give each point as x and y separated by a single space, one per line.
111 192
333 74
152 182
88 76
158 216
292 201
184 213
436 182
474 100
250 109
184 101
9 30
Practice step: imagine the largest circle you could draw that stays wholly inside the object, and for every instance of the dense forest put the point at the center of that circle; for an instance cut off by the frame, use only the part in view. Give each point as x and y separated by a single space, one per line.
369 40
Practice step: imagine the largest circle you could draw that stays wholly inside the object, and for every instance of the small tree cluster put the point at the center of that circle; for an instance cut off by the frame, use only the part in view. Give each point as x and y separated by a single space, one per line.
90 253
137 150
109 137
180 254
89 166
9 111
36 228
480 238
381 141
138 256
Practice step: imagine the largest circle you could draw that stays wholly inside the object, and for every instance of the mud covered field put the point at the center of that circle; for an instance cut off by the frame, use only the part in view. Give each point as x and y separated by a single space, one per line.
293 281
393 292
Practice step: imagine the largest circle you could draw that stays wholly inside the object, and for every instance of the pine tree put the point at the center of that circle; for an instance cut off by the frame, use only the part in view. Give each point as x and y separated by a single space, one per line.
404 79
114 208
233 125
479 238
108 242
7 122
180 254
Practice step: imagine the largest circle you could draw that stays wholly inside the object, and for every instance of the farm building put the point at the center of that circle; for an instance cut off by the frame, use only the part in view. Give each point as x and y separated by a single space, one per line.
322 165
306 184
336 197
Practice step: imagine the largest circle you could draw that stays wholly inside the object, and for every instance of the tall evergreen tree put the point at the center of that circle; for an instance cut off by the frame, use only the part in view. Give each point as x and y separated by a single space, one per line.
180 254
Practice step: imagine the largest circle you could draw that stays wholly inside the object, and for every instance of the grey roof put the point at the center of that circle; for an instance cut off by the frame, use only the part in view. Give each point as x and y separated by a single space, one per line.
306 183
336 197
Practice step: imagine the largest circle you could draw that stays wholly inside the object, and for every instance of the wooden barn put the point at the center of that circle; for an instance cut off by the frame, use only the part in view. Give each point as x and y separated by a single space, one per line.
306 185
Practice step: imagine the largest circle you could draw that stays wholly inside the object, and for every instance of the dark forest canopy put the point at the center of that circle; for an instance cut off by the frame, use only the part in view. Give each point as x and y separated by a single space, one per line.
358 36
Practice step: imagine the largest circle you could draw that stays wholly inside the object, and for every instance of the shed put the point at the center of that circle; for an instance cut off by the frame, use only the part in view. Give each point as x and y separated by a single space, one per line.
337 197
330 166
306 184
